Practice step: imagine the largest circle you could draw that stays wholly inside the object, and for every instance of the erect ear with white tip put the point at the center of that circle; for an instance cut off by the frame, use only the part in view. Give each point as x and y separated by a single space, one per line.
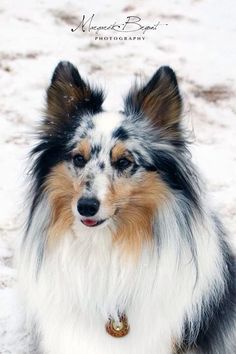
159 100
68 94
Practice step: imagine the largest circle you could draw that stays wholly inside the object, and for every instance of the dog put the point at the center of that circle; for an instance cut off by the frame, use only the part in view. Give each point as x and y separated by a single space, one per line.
121 252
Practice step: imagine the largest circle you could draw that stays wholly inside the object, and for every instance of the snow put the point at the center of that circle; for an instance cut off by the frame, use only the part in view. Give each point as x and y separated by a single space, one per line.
199 43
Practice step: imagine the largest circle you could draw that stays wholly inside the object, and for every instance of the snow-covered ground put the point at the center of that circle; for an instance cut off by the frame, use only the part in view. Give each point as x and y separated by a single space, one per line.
198 42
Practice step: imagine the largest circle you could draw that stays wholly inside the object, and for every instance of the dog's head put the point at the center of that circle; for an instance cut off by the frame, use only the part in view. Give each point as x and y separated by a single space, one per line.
110 169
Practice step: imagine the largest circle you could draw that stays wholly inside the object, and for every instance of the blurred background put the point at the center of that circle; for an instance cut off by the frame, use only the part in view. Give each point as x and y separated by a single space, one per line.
195 37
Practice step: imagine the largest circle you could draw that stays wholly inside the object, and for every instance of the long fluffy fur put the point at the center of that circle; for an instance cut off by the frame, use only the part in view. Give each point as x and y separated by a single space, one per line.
163 256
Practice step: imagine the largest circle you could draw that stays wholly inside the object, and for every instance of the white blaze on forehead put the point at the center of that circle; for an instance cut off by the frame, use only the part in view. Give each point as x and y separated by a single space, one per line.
106 123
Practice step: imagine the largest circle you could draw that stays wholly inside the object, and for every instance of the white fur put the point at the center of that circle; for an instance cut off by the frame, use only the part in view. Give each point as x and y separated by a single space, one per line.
85 279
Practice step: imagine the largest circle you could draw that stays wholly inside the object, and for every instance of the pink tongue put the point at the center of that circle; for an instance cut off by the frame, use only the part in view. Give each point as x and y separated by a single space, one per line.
89 222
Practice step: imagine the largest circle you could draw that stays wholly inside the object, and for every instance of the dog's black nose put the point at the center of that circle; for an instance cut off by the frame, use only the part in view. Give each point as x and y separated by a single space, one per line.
88 206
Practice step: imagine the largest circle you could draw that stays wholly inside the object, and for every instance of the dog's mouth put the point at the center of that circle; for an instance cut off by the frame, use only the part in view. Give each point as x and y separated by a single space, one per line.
92 222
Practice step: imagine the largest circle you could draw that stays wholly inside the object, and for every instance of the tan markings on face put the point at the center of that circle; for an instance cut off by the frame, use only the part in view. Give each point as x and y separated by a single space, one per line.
83 148
133 205
62 191
120 151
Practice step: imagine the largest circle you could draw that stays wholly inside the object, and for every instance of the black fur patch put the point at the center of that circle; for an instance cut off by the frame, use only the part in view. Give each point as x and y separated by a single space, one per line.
218 320
95 150
179 179
121 134
49 152
102 165
88 185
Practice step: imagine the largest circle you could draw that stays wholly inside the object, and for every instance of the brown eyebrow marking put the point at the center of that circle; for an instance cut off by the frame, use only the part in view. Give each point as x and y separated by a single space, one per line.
83 148
119 151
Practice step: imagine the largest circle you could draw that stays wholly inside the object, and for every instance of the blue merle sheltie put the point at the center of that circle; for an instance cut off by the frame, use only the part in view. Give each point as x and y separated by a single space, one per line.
122 253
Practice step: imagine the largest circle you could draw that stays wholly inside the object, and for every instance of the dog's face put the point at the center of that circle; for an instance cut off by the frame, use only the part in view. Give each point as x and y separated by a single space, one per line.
109 169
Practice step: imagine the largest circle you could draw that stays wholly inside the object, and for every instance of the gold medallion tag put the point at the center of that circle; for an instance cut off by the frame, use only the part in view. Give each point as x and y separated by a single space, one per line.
118 328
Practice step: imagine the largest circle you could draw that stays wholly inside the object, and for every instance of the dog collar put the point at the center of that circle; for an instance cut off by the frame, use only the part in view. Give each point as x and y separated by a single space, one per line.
118 328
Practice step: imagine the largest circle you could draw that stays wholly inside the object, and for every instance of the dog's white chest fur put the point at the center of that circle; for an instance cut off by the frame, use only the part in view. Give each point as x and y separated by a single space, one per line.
85 280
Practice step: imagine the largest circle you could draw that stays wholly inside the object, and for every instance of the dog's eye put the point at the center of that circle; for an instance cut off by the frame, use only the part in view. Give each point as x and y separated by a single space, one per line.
79 161
122 164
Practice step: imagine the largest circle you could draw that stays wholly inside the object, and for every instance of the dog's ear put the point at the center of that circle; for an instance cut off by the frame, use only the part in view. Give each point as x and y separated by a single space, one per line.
68 94
159 100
